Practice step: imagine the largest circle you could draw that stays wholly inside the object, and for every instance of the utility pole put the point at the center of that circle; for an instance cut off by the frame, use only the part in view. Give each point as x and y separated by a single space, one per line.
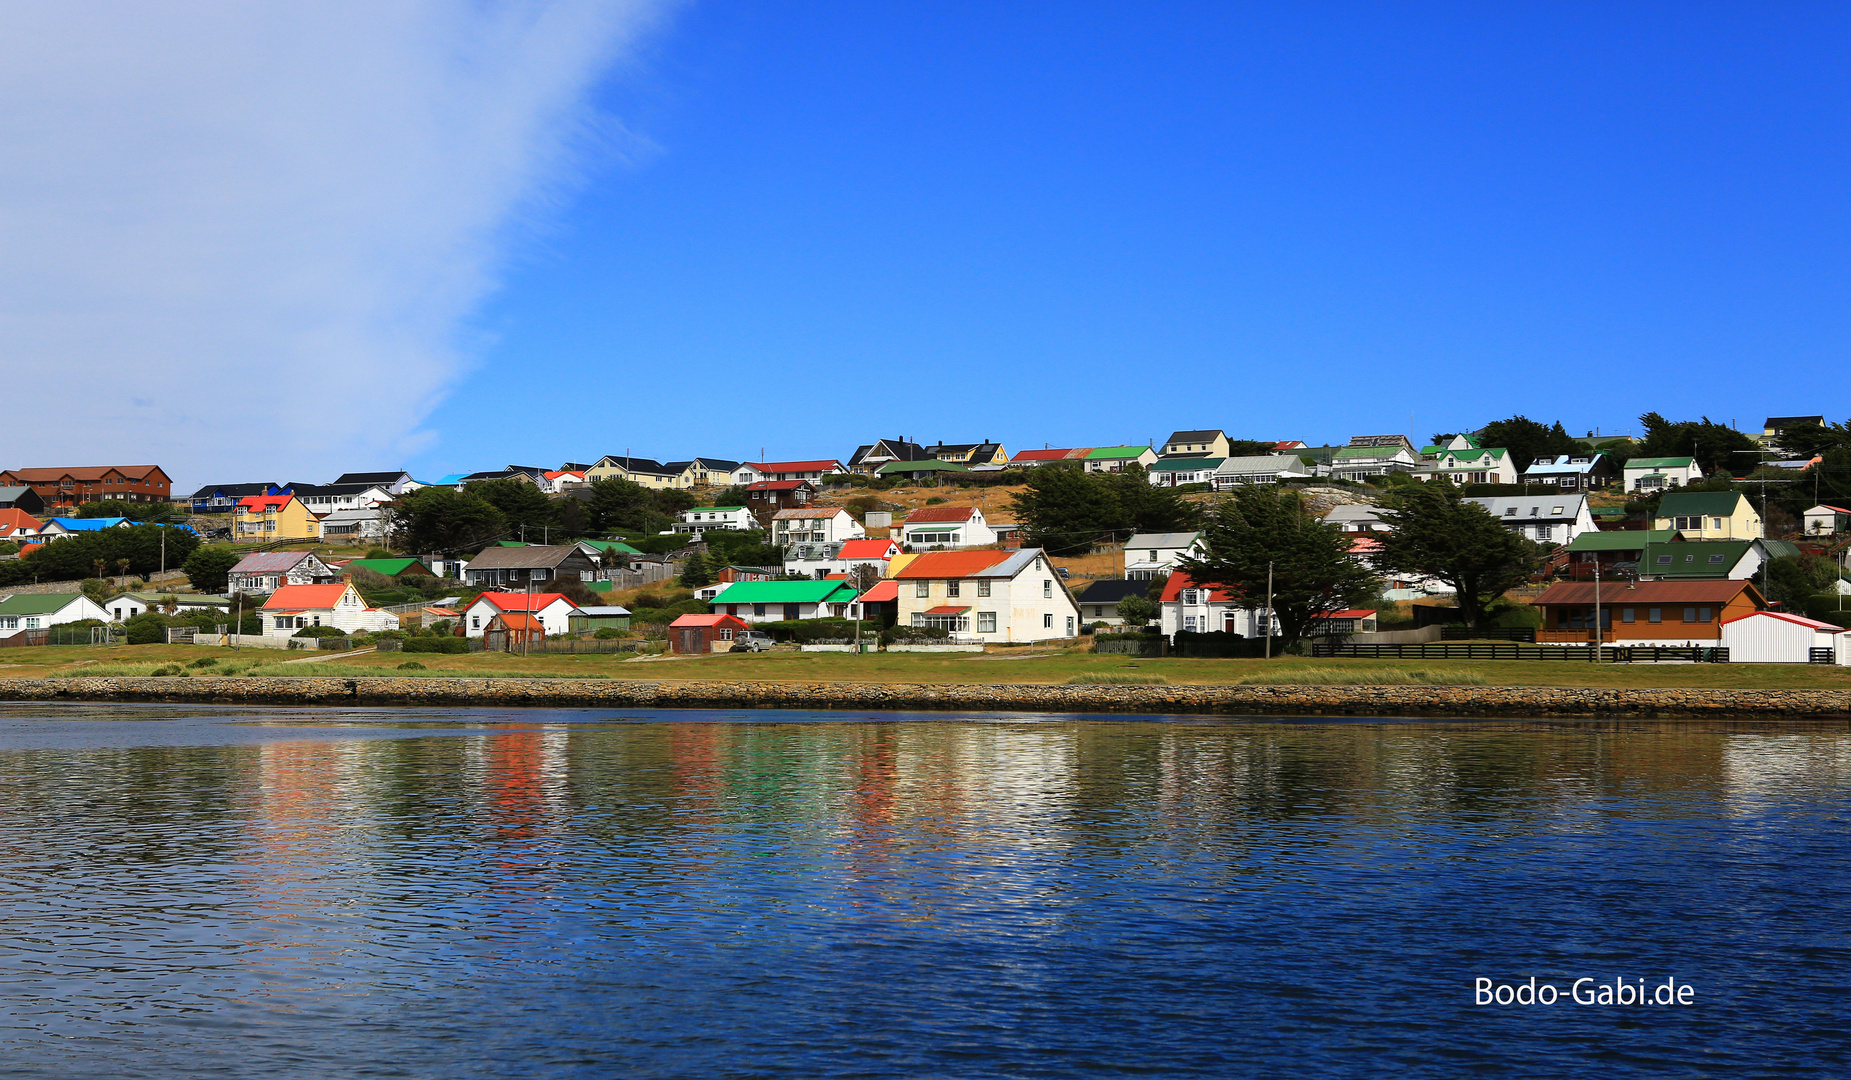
1269 610
1597 624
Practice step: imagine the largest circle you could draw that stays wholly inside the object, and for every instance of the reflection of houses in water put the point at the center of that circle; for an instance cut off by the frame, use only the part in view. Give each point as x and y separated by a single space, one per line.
1761 769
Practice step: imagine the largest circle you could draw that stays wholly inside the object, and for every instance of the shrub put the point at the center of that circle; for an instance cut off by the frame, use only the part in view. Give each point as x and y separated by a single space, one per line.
164 670
437 645
319 632
901 635
203 662
379 553
934 501
412 665
608 633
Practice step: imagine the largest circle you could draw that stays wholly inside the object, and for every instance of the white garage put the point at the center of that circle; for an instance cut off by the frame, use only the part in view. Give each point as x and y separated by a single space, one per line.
1775 637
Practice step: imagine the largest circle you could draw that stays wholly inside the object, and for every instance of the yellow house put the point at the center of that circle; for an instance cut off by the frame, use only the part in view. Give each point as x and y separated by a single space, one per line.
1212 444
647 472
1709 515
983 453
264 518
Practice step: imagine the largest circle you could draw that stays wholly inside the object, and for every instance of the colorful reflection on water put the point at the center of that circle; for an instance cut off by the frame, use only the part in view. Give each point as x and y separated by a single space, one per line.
190 892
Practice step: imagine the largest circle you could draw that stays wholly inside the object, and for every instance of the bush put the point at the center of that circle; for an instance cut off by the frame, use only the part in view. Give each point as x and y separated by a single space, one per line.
934 501
204 662
437 645
667 614
804 631
1825 607
319 632
412 665
608 633
903 635
379 553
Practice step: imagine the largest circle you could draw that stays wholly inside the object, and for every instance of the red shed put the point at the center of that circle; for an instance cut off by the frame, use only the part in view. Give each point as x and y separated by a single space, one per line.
700 633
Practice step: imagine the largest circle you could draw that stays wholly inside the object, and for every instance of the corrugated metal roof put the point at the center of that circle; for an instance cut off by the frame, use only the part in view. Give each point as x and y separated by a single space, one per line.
270 562
307 597
941 513
1544 507
1620 540
1163 540
1188 464
709 620
523 558
865 549
946 609
883 591
1699 504
950 564
1268 464
37 603
1646 592
1814 624
513 601
808 512
1111 591
786 592
1101 453
1660 463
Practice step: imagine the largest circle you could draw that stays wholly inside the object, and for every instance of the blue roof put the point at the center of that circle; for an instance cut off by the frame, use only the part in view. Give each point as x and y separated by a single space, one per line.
451 480
87 524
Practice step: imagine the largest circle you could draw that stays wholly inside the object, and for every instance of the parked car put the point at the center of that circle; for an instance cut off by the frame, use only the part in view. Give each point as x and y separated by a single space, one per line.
751 641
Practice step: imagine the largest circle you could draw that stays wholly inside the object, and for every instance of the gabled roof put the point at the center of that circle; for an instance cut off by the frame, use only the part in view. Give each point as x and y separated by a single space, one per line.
1111 591
967 564
257 504
865 549
806 512
1178 581
270 562
74 524
1695 558
1565 465
786 592
533 556
1475 457
629 463
1192 436
1660 463
710 620
520 601
929 514
388 567
821 465
13 517
780 485
518 620
1163 540
1799 620
883 592
1269 464
373 479
307 597
83 473
1052 455
1699 504
1621 540
229 491
1533 507
1647 592
37 603
1117 453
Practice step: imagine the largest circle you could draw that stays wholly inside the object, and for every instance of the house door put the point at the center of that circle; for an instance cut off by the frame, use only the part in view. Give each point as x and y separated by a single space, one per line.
790 611
1227 622
690 640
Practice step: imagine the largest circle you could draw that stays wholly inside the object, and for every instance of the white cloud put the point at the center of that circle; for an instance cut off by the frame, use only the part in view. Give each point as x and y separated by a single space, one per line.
239 239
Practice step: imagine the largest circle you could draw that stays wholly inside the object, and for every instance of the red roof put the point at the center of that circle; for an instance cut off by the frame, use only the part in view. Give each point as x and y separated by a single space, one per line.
882 592
1178 581
951 564
260 503
796 512
1348 613
1647 592
941 513
1050 455
565 472
779 485
795 466
14 518
307 597
866 549
733 621
946 609
513 601
1815 624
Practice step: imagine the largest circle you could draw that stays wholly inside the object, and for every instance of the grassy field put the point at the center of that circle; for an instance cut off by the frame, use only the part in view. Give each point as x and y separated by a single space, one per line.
1001 666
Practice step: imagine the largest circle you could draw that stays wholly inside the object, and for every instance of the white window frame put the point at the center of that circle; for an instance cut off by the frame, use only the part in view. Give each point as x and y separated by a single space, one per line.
986 622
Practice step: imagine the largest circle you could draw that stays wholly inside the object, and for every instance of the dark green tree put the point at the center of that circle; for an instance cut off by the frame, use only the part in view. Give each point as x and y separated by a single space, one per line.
209 568
617 505
1526 440
134 511
446 521
1792 579
1803 441
1715 446
1069 511
1137 610
1437 533
133 549
1263 528
530 515
1144 507
735 547
695 572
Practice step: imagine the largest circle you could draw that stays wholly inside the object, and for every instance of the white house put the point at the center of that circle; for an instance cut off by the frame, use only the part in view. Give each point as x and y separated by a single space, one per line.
41 611
752 472
553 610
267 571
987 595
327 498
778 601
947 527
351 525
296 607
1655 474
1188 607
1823 520
1774 637
1115 458
704 519
1153 555
814 525
1267 469
821 560
1555 518
1177 471
1360 462
128 605
1490 465
1357 518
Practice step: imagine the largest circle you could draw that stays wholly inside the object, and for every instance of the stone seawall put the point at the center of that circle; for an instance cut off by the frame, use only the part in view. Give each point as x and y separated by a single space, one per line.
1453 701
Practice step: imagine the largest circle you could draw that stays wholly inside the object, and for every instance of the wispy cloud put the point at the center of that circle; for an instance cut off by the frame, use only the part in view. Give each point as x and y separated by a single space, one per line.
240 239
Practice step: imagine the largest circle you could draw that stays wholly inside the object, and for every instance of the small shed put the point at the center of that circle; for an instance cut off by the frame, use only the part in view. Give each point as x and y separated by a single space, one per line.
701 633
1776 637
597 618
510 630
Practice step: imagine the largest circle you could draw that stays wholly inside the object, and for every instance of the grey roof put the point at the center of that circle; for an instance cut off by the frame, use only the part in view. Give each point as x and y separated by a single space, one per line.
1271 464
523 558
382 479
270 562
1162 540
1354 512
1542 505
8 494
1112 590
336 517
605 612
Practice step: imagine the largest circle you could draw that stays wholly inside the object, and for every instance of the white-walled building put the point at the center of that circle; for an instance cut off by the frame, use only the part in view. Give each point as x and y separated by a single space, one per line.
1776 637
296 607
1188 607
752 472
1553 518
947 527
1357 518
822 560
42 611
987 595
1823 520
1656 474
552 609
814 525
704 519
1267 469
267 571
1154 555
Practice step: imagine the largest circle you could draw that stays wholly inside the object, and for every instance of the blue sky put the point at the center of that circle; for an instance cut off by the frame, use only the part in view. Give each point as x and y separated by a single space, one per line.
800 227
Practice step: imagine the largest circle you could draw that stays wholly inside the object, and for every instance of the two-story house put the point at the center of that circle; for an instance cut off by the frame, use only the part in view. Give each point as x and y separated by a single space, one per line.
1573 472
987 595
1359 463
868 459
838 559
947 527
296 607
702 472
264 518
1659 473
536 563
93 483
1555 518
1487 465
1207 443
701 520
267 571
1102 459
814 525
1154 555
1708 515
1185 607
753 472
647 472
970 454
395 482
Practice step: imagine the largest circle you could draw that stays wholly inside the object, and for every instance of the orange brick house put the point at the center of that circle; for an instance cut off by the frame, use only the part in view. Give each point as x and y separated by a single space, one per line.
100 483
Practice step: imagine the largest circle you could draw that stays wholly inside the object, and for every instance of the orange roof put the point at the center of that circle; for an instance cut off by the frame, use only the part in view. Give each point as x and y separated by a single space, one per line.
1051 455
809 512
881 592
307 597
14 518
513 601
951 564
941 513
1614 594
515 620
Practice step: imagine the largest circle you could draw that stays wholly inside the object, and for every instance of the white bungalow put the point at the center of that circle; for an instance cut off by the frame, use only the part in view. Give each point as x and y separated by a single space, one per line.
1555 518
1154 555
1266 469
705 519
297 607
1656 474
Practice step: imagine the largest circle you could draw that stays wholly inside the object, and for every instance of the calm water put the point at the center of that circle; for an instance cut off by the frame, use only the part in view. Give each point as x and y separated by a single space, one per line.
704 894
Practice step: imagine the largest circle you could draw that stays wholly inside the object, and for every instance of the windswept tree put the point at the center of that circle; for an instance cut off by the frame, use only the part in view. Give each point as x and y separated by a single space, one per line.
446 521
1438 533
1069 511
1262 530
1527 440
1717 447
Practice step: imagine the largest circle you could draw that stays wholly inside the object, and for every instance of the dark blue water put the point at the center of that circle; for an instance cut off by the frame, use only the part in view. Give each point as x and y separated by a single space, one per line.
194 893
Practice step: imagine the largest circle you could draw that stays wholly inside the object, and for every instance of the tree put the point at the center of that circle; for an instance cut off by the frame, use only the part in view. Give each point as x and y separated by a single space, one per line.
1261 529
1137 610
864 576
209 568
529 514
1069 511
73 558
446 521
695 572
1717 447
1437 533
1144 507
1792 579
1802 442
737 547
1526 440
134 511
617 505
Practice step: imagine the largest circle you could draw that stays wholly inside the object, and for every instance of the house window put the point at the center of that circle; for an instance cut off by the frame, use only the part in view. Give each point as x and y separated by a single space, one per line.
1655 614
32 622
1190 598
1047 621
1555 511
983 588
1664 560
1047 589
9 622
1703 614
924 588
283 623
475 622
1189 623
1151 555
986 622
951 588
1037 562
1626 614
1069 626
758 610
726 633
1510 511
1715 560
1690 614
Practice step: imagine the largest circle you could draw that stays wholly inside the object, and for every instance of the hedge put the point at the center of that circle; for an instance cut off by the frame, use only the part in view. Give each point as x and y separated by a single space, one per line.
436 644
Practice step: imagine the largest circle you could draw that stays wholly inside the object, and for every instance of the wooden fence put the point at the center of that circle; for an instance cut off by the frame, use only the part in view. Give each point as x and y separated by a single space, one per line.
1511 650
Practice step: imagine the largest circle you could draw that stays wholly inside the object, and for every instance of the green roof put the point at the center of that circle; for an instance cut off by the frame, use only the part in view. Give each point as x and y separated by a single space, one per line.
786 592
1698 503
1117 452
1353 452
1607 511
922 466
1186 464
36 604
388 567
1621 540
711 509
1660 462
612 545
1781 549
1495 453
1694 558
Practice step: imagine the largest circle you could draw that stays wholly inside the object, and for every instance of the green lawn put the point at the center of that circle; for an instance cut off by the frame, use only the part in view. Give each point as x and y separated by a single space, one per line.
1002 666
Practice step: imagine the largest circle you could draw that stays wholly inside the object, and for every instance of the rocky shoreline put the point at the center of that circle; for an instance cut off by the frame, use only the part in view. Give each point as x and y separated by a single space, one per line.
1430 701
